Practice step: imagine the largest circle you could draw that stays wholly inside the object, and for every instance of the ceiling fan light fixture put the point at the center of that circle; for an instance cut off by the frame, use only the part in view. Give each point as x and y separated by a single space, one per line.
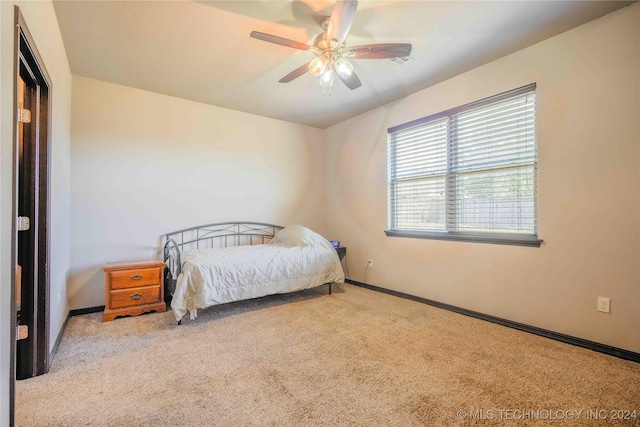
326 79
318 65
343 68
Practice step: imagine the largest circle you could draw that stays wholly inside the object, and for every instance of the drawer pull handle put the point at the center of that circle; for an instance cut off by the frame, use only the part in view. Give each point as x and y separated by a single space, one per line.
136 296
136 277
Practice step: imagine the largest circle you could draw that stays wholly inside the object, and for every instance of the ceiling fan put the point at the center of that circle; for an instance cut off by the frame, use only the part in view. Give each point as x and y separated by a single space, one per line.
332 55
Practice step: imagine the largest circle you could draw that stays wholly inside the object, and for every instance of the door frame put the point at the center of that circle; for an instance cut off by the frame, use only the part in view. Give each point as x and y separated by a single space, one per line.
27 52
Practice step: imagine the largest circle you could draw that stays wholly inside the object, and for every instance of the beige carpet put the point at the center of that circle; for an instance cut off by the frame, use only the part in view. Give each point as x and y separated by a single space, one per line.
357 357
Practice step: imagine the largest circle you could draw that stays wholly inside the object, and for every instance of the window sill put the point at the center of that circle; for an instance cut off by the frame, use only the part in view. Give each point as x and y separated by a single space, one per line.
455 237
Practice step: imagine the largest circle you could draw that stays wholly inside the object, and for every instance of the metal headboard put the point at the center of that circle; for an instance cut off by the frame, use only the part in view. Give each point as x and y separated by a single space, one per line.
218 235
223 234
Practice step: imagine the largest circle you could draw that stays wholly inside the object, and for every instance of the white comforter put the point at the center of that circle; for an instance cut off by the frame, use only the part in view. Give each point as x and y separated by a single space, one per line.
295 259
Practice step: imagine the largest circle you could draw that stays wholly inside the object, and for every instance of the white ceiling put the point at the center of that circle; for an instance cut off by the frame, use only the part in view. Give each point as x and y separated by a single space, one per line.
201 50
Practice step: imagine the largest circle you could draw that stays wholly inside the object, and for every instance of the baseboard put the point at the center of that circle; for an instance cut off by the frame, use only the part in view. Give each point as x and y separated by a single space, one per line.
88 310
72 313
591 345
56 344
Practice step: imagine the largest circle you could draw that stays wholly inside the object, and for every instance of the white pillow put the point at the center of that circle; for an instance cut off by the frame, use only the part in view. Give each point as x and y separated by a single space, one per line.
297 235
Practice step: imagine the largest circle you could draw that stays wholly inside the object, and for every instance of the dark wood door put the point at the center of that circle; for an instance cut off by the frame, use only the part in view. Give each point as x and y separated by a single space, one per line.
32 208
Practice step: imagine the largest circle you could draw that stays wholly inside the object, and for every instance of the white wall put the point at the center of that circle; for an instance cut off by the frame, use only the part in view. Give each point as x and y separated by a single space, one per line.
135 152
588 186
43 25
144 164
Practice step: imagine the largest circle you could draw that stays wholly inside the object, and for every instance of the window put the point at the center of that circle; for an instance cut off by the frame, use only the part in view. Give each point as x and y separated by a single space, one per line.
468 173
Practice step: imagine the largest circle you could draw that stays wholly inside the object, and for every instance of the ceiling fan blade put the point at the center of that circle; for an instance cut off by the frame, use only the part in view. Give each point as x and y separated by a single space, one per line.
295 73
344 12
379 51
352 82
280 40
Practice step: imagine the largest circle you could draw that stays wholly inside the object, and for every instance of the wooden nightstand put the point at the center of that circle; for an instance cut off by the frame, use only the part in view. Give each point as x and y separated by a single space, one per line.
134 288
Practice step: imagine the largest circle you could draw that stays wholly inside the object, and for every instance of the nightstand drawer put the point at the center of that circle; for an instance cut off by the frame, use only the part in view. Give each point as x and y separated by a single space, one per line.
135 296
134 278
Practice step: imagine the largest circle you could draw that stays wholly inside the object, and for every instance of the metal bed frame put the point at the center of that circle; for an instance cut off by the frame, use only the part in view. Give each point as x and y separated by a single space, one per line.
218 235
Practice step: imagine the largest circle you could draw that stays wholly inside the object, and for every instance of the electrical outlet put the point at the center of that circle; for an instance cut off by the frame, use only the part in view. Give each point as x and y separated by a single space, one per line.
370 263
604 305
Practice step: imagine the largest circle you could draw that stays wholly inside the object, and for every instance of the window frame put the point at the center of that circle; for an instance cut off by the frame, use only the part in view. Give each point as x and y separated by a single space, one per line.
520 239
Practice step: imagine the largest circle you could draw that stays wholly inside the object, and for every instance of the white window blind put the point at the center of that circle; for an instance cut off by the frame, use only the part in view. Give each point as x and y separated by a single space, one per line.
468 173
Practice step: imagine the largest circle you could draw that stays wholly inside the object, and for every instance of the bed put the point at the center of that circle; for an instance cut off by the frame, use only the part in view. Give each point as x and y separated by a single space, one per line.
225 262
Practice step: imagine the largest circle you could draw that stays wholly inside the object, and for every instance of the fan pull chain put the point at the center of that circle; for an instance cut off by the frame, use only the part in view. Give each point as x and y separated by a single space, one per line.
326 92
